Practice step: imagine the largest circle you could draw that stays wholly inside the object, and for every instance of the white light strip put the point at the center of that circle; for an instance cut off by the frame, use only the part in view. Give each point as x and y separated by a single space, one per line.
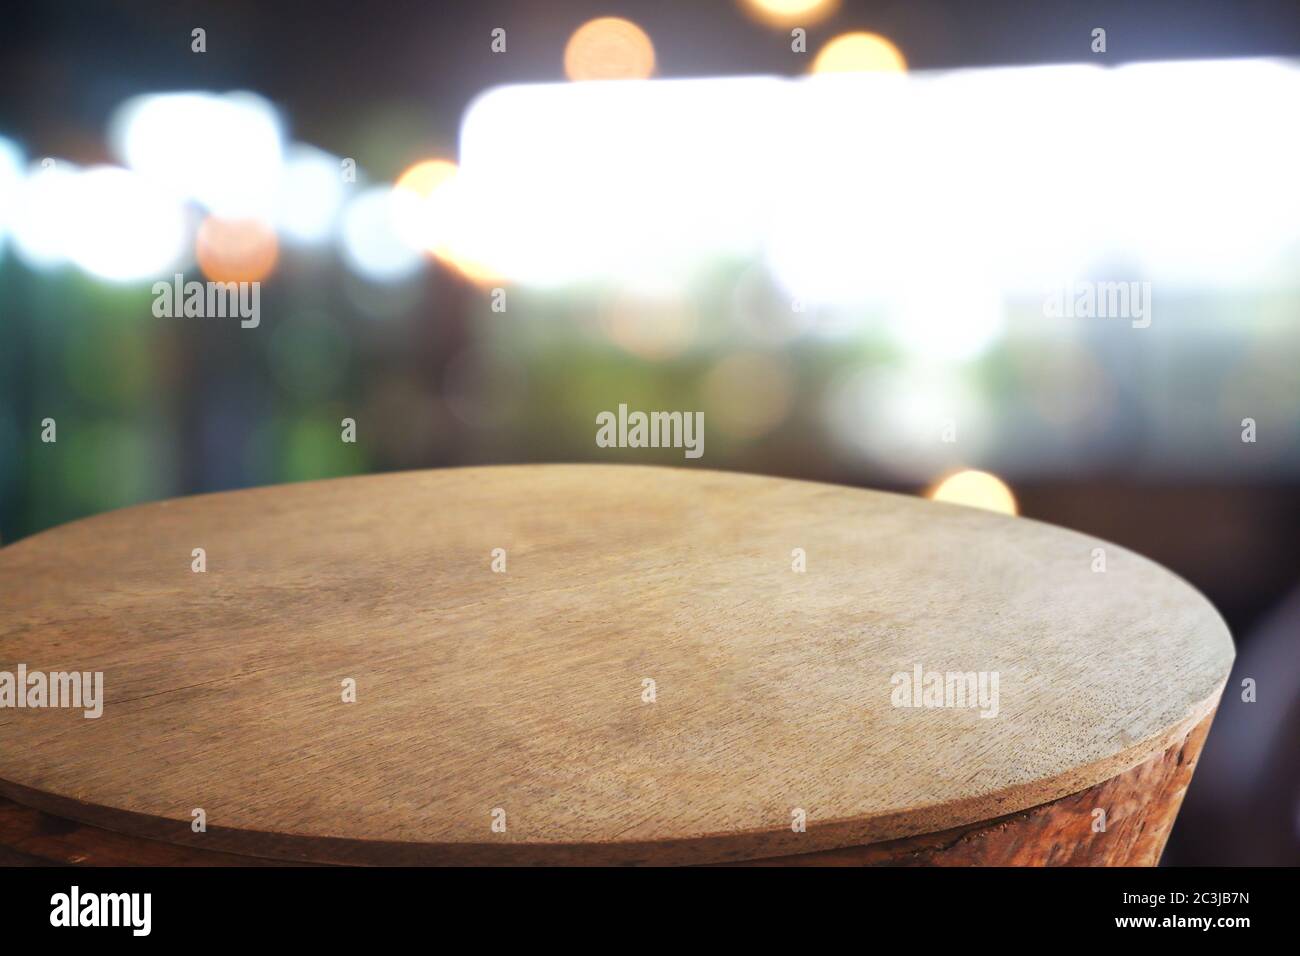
859 187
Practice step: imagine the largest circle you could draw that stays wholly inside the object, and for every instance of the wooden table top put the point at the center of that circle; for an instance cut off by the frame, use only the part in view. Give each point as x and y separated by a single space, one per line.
521 697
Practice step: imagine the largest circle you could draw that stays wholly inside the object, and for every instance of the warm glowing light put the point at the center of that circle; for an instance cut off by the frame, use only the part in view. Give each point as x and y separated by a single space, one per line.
413 195
430 214
790 12
609 48
423 178
476 271
975 489
859 53
236 250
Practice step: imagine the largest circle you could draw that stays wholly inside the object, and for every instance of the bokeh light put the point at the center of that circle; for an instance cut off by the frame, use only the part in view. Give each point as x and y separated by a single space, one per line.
846 272
609 48
310 195
430 214
975 489
859 53
748 394
225 152
652 325
127 228
898 418
954 320
758 309
790 13
236 250
413 195
372 241
576 181
44 214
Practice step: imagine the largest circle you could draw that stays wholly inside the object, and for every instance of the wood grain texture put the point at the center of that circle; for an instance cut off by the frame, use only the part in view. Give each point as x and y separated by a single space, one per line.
1140 806
523 690
31 837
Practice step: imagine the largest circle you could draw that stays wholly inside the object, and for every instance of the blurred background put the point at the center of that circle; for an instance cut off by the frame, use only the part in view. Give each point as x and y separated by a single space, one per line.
478 225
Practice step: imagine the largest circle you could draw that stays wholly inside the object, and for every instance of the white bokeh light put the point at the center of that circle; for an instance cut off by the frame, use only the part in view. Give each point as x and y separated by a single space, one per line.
372 242
672 174
310 195
1029 175
43 218
127 228
954 319
897 417
225 151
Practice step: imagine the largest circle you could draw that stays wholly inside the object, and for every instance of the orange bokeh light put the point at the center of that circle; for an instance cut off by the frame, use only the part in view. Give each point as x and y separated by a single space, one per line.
425 201
976 489
424 177
859 53
236 250
791 13
609 48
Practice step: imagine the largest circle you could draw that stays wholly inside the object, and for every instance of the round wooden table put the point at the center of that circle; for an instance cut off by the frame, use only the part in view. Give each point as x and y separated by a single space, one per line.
559 664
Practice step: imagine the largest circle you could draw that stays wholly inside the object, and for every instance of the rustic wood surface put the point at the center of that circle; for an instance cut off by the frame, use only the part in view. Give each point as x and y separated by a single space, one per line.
1140 806
31 837
524 690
